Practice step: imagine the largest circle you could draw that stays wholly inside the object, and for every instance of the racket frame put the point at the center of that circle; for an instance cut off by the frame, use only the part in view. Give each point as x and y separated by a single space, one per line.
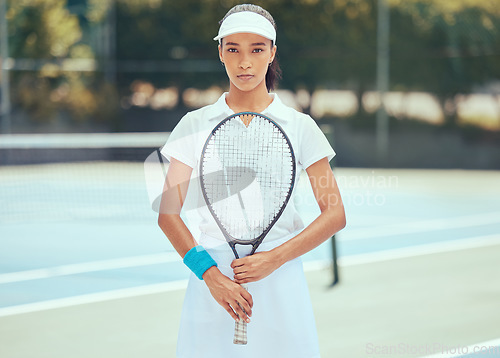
231 240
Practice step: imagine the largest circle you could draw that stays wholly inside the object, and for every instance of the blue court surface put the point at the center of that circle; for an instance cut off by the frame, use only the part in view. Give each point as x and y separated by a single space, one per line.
79 234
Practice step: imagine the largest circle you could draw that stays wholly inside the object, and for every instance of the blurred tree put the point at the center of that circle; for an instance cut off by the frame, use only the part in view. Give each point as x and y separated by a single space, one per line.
165 33
449 48
322 43
42 28
326 44
440 46
436 45
44 34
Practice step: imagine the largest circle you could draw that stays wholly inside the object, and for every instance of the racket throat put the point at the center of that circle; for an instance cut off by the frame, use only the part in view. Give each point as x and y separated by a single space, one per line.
243 250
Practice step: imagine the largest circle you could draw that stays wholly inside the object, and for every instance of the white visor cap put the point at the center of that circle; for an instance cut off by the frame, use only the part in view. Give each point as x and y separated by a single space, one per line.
246 21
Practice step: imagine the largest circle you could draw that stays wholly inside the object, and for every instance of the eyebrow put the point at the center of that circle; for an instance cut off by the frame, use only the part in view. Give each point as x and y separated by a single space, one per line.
237 44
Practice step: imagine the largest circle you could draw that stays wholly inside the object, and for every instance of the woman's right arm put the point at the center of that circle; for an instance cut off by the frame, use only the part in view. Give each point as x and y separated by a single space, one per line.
226 292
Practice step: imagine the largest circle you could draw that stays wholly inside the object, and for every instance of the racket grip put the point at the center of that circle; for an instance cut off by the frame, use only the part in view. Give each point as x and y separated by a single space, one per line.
240 328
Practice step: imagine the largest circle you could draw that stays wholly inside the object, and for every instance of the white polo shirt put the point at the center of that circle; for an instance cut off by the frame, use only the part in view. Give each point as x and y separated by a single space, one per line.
186 142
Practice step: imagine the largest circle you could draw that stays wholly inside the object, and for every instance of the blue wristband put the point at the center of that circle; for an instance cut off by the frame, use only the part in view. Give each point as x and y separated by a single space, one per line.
198 261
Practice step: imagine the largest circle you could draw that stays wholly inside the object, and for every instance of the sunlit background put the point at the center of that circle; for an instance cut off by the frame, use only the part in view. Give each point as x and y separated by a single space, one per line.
121 66
406 91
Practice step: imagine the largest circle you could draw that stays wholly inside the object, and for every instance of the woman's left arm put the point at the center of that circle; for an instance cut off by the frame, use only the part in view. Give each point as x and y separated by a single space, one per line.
330 221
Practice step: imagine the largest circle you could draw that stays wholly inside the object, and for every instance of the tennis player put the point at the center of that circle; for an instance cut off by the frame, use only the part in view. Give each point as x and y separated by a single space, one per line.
278 309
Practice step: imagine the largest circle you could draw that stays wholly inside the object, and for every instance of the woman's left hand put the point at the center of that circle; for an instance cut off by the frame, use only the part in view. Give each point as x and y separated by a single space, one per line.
255 267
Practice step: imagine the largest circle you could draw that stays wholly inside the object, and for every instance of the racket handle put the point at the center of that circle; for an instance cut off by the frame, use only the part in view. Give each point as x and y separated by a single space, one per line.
240 328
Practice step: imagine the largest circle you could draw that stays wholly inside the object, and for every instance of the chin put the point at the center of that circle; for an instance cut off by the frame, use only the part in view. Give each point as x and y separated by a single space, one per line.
248 87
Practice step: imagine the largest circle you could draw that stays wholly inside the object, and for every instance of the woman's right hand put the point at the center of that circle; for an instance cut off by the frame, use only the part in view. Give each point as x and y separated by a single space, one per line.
230 295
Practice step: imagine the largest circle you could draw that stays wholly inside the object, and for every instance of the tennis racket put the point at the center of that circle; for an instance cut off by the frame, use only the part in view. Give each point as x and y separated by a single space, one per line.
246 147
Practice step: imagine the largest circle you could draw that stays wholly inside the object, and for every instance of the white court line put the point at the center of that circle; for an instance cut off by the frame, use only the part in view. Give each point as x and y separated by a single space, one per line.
420 250
93 298
463 244
74 269
153 259
111 295
455 351
421 226
317 265
357 234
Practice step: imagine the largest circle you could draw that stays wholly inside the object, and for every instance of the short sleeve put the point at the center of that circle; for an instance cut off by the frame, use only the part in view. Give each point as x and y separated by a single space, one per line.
181 142
313 143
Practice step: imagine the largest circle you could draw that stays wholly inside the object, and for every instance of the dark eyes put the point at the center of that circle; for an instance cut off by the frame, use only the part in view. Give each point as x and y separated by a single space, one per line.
255 50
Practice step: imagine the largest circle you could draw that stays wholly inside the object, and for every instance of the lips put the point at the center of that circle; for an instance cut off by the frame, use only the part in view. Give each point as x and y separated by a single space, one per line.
245 77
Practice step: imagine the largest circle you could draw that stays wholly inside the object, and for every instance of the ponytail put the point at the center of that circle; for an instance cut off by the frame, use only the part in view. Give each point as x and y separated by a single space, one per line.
273 74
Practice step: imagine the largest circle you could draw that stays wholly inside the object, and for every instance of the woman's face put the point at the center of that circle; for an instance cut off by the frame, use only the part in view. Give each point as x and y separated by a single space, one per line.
246 58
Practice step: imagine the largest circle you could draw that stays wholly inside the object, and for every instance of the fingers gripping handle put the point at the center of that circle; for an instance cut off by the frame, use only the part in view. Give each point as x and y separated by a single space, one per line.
240 328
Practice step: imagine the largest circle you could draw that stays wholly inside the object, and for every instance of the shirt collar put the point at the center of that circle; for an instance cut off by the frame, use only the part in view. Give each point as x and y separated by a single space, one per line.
276 110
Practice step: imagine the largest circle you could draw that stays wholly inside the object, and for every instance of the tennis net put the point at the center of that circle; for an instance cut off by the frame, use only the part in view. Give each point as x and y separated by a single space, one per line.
59 177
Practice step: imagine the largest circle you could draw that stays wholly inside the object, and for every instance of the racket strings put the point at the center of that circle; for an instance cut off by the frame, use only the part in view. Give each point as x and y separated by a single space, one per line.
257 155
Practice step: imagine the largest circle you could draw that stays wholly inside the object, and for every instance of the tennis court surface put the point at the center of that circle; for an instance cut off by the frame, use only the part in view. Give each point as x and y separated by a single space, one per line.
85 271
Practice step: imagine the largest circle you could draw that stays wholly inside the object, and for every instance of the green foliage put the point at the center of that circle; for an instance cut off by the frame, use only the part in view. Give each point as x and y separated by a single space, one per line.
450 47
42 29
440 46
45 31
454 44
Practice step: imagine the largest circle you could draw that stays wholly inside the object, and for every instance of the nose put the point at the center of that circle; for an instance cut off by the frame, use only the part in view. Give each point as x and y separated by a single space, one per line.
245 62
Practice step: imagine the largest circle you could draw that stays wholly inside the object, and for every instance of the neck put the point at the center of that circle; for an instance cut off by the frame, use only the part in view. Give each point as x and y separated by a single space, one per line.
254 101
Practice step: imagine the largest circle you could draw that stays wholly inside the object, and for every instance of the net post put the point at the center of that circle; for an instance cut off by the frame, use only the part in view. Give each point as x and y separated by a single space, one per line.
329 132
334 263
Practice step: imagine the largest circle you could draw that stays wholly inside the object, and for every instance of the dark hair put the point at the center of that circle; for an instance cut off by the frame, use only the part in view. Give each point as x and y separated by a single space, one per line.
273 74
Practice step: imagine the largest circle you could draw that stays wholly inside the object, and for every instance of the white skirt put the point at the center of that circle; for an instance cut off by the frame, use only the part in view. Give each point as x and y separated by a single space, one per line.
282 322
